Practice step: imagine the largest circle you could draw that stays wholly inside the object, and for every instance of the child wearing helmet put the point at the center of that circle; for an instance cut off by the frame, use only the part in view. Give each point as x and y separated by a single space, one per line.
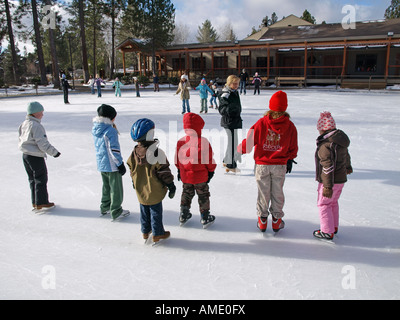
151 178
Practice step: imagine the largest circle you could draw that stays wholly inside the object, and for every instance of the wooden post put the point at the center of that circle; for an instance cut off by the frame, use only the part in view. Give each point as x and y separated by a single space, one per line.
268 61
123 62
388 58
305 61
344 60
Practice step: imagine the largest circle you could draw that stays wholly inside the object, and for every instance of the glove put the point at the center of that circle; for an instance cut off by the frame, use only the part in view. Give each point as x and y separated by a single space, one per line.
179 175
289 165
122 169
57 155
327 192
172 189
210 175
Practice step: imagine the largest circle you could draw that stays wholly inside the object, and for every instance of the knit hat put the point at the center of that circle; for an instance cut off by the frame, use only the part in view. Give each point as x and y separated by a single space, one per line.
278 102
326 122
106 111
34 107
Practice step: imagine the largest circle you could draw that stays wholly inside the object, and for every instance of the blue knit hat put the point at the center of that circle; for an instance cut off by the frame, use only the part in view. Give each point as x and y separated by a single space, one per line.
34 107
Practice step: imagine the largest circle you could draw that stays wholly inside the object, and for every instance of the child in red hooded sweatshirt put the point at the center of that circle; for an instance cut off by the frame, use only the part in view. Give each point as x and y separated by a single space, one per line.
196 166
274 137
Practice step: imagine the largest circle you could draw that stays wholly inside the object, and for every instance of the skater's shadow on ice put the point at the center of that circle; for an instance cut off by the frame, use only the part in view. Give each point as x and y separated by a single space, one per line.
385 176
354 244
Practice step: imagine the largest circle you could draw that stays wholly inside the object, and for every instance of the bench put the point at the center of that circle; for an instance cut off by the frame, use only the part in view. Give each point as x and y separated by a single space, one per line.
300 81
370 84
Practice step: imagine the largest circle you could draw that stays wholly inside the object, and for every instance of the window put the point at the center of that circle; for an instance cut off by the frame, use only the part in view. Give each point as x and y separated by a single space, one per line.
366 62
198 64
220 62
178 64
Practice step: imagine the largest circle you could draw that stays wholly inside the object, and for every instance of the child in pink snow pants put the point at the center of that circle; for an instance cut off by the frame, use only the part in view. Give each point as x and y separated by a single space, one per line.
333 164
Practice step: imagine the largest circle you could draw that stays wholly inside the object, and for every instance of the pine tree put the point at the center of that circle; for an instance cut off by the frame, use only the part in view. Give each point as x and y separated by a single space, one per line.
393 11
153 21
308 17
206 33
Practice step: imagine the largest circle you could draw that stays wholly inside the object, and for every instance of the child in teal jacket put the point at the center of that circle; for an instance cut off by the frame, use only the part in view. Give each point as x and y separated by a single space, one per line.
204 89
117 85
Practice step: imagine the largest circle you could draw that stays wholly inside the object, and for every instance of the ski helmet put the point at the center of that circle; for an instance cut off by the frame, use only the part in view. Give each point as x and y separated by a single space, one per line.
140 129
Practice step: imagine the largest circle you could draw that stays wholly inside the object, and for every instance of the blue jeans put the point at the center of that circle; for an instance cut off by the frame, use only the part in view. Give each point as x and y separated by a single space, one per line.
242 86
98 91
185 102
213 100
151 219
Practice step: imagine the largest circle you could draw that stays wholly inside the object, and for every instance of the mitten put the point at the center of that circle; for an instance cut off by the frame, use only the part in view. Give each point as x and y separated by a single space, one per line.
122 169
172 189
327 192
210 175
289 165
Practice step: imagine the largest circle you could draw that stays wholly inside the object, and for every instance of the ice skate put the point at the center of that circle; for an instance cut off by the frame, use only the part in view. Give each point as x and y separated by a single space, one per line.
184 217
42 208
262 223
146 237
158 239
277 224
325 237
207 219
124 214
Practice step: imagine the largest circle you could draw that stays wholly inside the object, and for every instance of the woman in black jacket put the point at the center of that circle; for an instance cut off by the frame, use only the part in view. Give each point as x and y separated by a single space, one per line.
230 108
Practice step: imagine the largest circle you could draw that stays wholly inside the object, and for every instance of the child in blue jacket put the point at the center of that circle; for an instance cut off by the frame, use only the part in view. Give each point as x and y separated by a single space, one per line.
204 89
109 161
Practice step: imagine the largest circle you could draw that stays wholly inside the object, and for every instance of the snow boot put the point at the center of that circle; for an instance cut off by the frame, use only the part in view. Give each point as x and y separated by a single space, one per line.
322 235
277 224
262 223
207 219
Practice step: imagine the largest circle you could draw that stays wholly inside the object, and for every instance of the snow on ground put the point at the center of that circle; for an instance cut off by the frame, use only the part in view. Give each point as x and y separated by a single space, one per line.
72 253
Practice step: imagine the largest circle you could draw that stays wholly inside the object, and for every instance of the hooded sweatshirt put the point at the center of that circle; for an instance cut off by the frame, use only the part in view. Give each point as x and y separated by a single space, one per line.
332 158
275 141
108 151
194 155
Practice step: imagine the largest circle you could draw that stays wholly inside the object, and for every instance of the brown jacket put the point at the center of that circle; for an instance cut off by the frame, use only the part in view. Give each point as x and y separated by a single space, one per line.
332 158
150 173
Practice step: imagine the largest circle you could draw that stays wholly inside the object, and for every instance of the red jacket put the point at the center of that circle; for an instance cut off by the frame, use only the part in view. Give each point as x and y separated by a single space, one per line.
275 141
194 155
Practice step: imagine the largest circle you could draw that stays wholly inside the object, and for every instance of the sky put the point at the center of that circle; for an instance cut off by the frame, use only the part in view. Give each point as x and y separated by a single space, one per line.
244 14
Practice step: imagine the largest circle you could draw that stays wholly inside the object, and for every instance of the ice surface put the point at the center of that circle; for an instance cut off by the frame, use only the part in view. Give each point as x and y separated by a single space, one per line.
72 253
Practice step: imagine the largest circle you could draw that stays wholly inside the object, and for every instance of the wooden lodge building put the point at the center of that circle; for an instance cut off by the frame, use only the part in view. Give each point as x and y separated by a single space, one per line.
290 51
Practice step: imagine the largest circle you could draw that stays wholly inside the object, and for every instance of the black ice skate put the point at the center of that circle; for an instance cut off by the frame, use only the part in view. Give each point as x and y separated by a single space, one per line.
184 216
207 219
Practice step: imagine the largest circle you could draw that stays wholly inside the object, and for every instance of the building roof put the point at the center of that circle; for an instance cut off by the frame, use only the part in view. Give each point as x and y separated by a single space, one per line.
369 30
290 21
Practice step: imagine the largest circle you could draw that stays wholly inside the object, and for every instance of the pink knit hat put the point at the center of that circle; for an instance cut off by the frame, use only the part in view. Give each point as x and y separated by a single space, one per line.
326 122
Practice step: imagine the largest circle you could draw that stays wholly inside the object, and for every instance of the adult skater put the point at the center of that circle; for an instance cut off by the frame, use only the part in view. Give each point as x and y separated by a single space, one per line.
230 109
244 76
